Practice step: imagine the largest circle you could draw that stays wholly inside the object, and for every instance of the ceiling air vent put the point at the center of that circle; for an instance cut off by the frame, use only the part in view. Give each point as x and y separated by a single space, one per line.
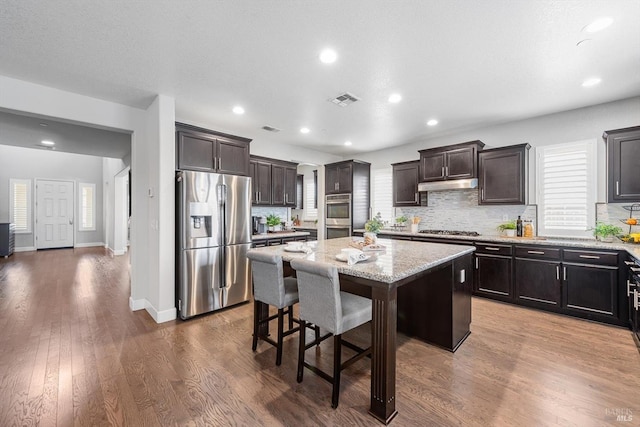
345 99
270 129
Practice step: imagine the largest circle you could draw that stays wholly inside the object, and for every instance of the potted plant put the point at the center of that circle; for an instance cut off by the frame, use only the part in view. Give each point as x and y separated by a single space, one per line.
508 228
401 221
273 221
372 228
606 232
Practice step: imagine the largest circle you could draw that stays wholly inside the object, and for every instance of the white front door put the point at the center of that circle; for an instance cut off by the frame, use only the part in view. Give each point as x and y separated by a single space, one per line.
54 214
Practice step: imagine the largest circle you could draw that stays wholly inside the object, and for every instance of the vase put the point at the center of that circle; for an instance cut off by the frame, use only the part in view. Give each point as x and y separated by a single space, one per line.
510 233
414 228
370 238
606 239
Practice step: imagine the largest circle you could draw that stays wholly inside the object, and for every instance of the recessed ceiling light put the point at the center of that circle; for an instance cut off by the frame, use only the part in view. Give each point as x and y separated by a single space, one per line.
598 25
328 56
304 130
432 122
47 143
591 82
394 98
347 143
238 109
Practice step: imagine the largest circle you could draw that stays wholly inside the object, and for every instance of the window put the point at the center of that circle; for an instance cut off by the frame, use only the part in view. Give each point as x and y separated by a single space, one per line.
382 192
87 207
20 205
566 189
311 201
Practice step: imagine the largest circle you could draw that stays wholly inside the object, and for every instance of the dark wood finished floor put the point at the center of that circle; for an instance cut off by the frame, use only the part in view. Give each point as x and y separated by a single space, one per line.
72 353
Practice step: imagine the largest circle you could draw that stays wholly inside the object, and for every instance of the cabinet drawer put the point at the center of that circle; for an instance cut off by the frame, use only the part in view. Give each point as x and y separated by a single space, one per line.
494 249
590 257
537 252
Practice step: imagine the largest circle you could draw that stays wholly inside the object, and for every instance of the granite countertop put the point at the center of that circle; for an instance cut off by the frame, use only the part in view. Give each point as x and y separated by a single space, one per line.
400 260
632 249
279 235
305 227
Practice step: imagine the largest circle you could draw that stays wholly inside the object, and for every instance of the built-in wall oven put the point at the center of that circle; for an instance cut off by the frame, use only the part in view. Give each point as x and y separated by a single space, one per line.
337 217
633 292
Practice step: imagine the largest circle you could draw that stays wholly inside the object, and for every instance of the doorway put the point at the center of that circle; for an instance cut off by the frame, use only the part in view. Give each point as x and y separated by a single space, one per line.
54 214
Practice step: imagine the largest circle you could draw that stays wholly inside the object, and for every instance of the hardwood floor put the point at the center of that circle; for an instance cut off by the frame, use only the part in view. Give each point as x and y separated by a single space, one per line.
72 353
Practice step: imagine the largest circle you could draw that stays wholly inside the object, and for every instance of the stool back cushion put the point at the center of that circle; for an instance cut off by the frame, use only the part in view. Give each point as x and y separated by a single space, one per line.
319 293
268 283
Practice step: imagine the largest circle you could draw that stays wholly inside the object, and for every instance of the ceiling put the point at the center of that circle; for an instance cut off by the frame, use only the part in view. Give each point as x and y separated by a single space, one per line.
467 64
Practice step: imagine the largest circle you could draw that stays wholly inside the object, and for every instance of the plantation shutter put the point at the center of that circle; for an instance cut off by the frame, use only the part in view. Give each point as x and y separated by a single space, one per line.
20 196
382 193
310 202
87 206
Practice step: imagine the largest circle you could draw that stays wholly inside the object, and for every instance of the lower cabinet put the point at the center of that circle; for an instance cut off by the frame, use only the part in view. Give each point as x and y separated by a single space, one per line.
493 276
591 291
538 283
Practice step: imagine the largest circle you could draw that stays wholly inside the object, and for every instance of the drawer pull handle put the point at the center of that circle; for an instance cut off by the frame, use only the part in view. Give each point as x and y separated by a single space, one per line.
590 256
536 252
630 263
635 269
557 272
489 248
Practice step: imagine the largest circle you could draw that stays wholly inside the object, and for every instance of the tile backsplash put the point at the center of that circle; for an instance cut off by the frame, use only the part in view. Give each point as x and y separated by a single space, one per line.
458 210
282 212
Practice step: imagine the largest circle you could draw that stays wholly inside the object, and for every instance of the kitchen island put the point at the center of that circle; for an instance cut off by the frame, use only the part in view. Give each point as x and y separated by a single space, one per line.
427 271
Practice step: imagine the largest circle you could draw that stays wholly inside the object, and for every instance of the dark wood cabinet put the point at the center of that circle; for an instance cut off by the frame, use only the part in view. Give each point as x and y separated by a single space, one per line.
537 276
452 162
503 175
623 158
406 176
493 274
338 178
274 182
590 281
209 151
261 181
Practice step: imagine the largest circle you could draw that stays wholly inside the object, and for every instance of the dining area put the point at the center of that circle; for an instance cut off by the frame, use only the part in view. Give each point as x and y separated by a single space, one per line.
336 287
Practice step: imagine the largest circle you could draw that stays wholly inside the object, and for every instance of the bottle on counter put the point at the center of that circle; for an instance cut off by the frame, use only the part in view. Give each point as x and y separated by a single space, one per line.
519 226
528 229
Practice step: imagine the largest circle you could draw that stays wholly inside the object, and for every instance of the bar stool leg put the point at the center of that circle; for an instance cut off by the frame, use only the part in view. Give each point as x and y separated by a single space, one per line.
337 361
290 317
301 345
280 337
256 322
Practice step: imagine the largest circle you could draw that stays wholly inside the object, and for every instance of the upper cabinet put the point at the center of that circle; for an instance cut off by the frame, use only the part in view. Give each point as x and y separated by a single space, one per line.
274 182
406 176
623 164
503 174
338 178
451 162
208 151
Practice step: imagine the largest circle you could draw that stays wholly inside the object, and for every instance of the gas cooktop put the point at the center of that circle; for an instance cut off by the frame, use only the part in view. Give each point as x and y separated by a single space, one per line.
451 232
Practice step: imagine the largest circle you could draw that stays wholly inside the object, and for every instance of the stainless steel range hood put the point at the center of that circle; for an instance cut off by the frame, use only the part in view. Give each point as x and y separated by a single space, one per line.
454 184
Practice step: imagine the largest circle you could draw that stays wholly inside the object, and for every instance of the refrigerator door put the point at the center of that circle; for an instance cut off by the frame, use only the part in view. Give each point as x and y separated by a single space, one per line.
236 198
201 288
237 274
199 213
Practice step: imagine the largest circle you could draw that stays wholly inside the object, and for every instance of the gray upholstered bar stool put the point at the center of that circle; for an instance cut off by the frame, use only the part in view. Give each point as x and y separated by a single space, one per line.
322 303
270 287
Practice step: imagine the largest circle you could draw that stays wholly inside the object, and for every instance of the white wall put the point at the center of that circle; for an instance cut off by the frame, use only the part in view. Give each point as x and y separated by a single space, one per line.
21 96
110 168
28 163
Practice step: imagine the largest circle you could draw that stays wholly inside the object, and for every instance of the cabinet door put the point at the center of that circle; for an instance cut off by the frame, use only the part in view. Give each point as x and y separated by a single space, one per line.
344 178
460 163
503 176
233 157
263 183
290 193
624 158
590 290
405 184
493 276
538 282
196 151
331 180
277 184
253 173
432 166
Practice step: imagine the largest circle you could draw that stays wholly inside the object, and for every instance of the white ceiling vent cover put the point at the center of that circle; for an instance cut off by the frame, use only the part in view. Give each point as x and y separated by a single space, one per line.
270 129
345 99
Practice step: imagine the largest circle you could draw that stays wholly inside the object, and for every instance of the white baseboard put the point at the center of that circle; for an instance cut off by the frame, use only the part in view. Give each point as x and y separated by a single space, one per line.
25 249
117 252
88 245
158 316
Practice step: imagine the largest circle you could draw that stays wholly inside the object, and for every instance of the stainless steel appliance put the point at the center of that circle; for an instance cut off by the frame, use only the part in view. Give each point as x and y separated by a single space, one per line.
213 237
633 293
338 215
258 225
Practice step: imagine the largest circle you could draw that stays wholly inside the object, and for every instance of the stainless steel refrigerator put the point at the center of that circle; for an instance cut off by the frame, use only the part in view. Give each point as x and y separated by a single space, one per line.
213 237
